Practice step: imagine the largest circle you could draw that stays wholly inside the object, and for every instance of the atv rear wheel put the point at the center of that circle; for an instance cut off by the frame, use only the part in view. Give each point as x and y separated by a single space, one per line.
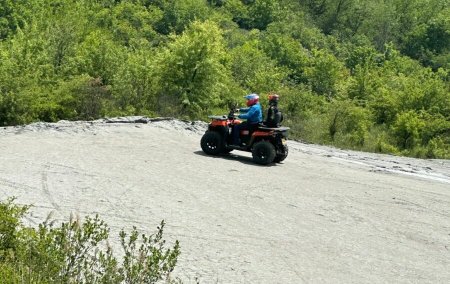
263 153
212 143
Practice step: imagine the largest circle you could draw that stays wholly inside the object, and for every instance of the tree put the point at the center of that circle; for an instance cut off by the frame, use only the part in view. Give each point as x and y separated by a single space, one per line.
179 14
256 14
131 23
98 56
13 15
407 128
288 53
263 12
325 73
342 16
191 70
135 84
428 40
254 70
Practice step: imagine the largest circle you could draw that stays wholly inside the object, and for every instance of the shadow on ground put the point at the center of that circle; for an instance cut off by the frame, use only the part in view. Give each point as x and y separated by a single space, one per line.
234 157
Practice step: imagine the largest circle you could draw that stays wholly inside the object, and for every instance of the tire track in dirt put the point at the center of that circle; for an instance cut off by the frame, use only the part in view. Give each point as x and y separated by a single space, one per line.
101 182
315 218
19 186
374 162
16 185
45 189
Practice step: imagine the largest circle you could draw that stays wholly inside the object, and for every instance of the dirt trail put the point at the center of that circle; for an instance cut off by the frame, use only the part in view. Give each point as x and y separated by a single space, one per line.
323 216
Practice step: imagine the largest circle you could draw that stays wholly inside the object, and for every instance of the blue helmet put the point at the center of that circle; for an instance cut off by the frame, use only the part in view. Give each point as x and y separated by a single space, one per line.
252 97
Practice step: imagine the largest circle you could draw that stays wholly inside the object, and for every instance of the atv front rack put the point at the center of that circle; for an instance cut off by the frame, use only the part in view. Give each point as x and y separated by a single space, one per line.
218 117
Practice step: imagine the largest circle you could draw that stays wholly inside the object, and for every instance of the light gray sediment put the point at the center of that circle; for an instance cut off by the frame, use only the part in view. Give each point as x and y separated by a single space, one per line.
323 216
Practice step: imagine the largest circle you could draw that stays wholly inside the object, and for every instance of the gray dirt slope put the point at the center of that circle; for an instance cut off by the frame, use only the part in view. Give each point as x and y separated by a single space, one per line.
323 216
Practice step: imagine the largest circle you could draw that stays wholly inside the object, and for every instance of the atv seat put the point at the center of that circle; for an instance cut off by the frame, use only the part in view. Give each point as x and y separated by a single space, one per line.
281 128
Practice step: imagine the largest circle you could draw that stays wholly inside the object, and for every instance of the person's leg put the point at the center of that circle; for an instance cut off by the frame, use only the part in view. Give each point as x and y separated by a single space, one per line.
236 132
252 127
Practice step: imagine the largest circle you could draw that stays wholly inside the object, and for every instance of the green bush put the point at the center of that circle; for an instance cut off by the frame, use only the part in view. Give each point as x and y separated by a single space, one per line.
438 148
325 73
348 124
13 109
407 128
78 252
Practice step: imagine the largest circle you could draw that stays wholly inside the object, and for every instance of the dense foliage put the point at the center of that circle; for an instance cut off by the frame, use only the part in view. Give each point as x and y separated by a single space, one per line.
78 252
370 75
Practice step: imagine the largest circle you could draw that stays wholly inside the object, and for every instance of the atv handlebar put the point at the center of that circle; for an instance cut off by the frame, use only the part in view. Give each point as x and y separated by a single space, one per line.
233 113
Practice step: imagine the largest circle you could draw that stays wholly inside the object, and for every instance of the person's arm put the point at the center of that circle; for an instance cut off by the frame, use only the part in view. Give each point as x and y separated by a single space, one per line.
250 112
244 109
270 115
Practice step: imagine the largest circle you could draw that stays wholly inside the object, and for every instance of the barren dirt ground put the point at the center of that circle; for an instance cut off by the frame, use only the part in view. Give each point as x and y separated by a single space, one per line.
323 216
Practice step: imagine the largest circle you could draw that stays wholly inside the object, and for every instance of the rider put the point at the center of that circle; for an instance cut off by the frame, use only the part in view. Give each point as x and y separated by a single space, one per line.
274 116
252 113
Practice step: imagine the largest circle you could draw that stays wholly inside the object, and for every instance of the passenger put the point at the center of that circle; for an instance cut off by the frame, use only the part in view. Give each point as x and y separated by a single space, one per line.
274 116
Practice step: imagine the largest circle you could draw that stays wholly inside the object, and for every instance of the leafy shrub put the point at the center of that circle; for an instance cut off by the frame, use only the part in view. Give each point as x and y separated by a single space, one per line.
10 225
254 70
134 84
407 128
325 73
80 98
78 252
438 148
348 123
13 109
191 71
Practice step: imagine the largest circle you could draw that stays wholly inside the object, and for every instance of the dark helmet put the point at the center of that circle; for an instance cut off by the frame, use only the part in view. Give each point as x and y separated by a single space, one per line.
273 98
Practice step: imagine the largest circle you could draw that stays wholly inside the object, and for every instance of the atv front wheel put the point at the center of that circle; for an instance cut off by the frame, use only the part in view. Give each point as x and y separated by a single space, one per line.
280 157
212 143
263 153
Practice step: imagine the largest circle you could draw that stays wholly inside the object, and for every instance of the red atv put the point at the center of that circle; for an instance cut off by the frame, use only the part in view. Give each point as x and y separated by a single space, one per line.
267 144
